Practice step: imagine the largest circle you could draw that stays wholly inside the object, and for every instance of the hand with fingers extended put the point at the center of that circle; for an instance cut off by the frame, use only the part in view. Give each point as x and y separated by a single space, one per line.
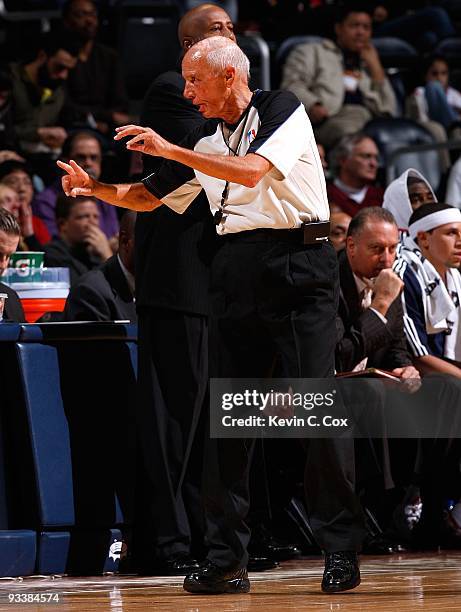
144 140
76 182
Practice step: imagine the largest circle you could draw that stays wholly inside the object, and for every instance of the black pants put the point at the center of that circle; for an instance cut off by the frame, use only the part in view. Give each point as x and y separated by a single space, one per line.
172 389
276 300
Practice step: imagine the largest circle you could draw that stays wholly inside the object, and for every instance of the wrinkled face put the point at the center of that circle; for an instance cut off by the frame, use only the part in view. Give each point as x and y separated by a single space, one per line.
59 65
354 33
83 19
8 245
74 229
21 182
362 164
373 249
9 200
87 153
203 88
438 71
339 223
420 194
442 246
206 23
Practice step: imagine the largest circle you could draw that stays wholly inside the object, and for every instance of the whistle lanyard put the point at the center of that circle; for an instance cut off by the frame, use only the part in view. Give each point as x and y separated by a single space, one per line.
234 152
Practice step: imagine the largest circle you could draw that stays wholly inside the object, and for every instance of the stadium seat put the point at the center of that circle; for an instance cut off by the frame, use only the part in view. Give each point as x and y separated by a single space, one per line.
451 49
391 135
284 50
148 42
257 51
395 52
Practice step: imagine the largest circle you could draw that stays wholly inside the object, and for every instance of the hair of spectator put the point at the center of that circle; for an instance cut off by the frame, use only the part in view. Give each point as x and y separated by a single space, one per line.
65 204
8 223
346 8
370 213
227 54
60 39
14 165
428 209
434 57
75 137
66 7
344 148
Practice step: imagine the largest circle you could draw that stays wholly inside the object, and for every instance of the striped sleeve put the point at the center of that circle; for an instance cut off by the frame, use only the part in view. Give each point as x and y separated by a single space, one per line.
284 133
413 316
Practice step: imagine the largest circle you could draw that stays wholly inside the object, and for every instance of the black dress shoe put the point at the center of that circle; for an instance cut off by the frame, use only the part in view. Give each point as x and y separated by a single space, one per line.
180 565
380 545
212 579
257 563
264 544
341 572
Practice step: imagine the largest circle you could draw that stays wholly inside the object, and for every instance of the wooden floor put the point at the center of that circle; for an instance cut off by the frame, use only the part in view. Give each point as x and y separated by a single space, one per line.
397 583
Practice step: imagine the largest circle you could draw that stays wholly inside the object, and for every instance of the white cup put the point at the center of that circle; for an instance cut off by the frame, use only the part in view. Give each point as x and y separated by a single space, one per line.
3 297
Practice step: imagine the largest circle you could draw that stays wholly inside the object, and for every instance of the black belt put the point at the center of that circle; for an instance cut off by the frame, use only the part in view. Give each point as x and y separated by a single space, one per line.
309 233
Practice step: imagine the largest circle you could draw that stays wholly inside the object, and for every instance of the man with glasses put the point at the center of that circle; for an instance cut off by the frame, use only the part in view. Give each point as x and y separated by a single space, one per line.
85 148
355 163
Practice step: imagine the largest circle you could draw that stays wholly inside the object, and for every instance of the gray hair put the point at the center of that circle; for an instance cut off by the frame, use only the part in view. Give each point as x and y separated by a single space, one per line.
8 223
344 149
369 213
229 55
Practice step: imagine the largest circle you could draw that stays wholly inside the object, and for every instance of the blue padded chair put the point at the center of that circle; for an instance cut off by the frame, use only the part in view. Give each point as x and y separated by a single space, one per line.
257 51
393 134
395 52
451 49
17 546
78 392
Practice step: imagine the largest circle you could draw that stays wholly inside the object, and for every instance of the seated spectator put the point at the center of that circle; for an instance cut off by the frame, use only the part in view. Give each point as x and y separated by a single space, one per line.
18 176
342 85
432 291
9 143
83 147
436 100
107 293
81 245
354 163
96 86
370 310
9 239
405 195
423 27
39 96
453 195
339 224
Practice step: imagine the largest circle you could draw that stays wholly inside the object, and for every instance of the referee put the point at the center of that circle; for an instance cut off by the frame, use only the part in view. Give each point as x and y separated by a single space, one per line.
274 287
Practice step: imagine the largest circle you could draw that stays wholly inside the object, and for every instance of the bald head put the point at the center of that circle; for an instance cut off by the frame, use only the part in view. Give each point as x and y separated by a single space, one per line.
202 22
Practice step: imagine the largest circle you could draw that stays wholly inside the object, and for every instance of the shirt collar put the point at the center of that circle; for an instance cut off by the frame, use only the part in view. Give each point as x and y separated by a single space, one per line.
127 274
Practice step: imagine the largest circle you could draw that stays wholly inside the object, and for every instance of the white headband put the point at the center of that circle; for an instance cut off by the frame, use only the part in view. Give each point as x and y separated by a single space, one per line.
436 219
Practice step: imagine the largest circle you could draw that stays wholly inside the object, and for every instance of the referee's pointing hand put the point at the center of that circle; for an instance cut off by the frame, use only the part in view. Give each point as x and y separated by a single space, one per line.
76 182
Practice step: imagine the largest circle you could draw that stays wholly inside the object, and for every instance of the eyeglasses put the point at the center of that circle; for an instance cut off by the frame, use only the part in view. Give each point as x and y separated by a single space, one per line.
368 156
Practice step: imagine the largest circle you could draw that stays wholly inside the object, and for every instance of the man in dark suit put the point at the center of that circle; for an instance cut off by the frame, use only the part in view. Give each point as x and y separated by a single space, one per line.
107 293
370 334
9 240
370 315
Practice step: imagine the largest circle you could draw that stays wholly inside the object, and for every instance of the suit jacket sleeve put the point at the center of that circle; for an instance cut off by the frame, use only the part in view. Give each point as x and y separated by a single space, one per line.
368 335
86 304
